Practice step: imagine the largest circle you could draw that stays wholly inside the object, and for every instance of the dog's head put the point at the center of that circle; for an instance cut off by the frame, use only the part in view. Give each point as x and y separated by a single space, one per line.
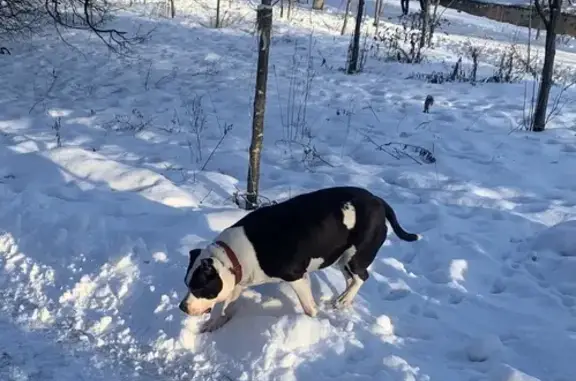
208 282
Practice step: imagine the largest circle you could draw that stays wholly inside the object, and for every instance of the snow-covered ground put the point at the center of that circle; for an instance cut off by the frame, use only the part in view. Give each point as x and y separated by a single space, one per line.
94 231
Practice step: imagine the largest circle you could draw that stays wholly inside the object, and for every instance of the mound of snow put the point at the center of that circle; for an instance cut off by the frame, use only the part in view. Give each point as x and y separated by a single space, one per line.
384 326
300 332
553 259
92 167
560 238
507 373
483 348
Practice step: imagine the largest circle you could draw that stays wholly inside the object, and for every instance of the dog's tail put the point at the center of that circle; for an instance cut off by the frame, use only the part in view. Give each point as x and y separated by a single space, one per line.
392 221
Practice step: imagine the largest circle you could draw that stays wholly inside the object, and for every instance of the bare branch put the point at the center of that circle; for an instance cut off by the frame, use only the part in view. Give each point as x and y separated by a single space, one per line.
541 13
25 17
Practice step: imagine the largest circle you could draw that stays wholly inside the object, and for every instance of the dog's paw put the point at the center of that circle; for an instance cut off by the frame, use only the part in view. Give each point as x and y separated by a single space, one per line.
340 306
311 311
213 324
342 303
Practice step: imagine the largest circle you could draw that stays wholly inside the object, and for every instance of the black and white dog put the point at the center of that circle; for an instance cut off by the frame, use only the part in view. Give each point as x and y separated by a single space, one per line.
342 226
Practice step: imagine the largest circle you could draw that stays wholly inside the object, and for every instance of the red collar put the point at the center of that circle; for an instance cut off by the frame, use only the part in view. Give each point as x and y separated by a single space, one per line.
236 268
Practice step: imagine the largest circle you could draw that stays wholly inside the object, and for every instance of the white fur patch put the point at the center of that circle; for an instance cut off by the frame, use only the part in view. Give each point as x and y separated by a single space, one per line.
314 264
388 226
252 273
196 306
349 213
304 293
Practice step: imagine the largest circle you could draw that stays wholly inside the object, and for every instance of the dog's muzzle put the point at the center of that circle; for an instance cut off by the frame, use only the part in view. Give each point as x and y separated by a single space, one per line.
184 308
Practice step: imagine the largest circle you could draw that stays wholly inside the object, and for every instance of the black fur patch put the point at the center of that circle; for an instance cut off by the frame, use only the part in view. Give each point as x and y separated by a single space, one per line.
288 235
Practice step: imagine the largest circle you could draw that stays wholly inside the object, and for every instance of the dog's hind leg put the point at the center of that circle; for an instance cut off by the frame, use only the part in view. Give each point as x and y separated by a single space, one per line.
302 289
355 269
342 264
356 281
348 276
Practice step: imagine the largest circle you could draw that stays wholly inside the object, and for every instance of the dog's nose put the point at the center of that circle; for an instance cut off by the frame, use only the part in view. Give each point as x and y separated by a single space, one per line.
183 307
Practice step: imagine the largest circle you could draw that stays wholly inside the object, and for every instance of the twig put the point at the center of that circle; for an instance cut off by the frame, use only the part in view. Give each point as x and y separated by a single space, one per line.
379 147
237 196
556 108
205 197
54 78
147 76
308 149
227 129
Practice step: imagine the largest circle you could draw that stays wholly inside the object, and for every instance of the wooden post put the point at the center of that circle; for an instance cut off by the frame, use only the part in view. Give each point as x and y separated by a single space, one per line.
264 18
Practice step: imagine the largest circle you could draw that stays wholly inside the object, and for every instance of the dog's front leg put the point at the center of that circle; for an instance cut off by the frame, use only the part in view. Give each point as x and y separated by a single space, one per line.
221 313
304 293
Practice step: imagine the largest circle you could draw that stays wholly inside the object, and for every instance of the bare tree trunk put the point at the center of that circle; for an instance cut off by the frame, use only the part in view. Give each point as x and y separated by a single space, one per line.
281 8
425 15
528 69
405 4
554 7
172 9
318 5
264 17
348 3
377 11
217 14
353 64
289 14
433 22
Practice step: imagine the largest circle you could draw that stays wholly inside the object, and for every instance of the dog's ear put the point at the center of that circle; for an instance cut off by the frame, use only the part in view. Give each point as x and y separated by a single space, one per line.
194 253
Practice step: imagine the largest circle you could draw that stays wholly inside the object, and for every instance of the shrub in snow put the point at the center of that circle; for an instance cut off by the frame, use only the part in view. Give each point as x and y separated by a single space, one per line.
394 43
509 69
